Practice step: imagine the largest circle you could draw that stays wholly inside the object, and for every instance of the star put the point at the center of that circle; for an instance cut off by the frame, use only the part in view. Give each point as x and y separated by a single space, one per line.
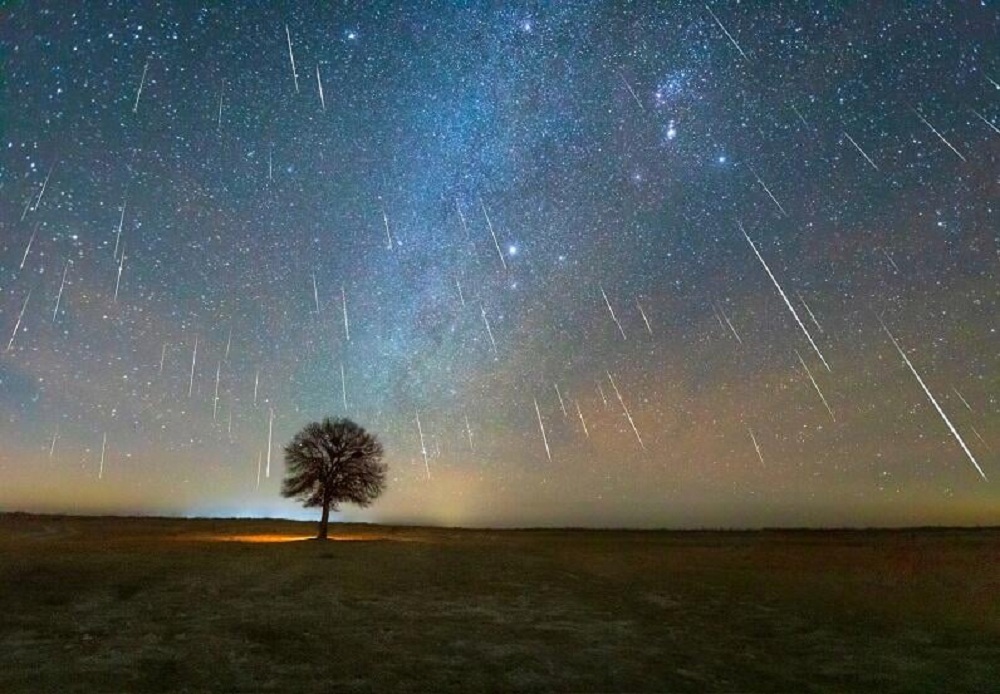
303 226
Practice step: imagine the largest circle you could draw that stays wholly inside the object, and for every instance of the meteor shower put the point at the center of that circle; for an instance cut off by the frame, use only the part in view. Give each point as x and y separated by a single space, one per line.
613 346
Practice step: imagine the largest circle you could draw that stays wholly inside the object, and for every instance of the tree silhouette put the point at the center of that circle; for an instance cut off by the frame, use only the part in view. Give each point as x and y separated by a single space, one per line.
331 462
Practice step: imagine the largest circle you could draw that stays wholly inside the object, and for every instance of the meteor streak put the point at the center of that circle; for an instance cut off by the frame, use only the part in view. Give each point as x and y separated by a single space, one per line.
343 385
756 447
583 421
631 91
118 236
799 114
861 151
981 439
891 261
493 234
940 136
489 330
983 119
562 405
541 426
461 217
319 83
730 324
768 191
715 312
927 392
600 391
726 32
468 432
815 385
643 314
612 311
27 249
17 325
215 399
388 236
781 291
45 183
964 401
291 57
627 413
423 447
194 360
347 326
62 284
222 91
135 108
118 279
812 316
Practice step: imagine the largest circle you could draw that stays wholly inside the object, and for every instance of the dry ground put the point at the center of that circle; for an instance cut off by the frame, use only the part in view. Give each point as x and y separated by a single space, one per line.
145 605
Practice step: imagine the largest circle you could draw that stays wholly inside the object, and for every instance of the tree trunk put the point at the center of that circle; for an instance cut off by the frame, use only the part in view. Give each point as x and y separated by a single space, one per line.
324 521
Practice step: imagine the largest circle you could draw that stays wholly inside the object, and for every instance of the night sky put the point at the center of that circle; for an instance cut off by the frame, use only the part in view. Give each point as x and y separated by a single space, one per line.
627 263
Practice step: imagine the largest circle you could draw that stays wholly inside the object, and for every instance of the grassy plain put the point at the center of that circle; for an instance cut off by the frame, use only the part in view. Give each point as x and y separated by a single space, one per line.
146 605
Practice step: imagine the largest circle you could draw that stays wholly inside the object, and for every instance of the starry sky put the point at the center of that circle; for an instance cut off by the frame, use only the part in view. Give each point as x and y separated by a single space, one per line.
583 263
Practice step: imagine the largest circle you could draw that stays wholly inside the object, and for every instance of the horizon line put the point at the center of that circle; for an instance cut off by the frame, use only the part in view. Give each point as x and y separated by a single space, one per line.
519 528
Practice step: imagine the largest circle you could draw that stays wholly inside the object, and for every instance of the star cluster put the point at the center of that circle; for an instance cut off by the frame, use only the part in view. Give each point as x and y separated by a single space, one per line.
627 263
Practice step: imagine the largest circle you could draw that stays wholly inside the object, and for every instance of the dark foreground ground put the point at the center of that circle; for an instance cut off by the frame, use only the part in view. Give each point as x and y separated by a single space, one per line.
110 604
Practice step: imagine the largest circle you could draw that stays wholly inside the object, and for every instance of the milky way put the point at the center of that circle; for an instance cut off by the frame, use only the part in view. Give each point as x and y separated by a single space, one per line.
512 240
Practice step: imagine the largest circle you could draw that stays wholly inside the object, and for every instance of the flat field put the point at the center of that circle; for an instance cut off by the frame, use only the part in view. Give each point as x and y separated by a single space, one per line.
144 605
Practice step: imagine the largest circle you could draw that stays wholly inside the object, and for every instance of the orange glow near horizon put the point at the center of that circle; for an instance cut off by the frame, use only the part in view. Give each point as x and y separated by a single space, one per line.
258 538
267 538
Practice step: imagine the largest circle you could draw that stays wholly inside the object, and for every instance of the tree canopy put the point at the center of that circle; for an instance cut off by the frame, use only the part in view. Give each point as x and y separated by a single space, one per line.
332 462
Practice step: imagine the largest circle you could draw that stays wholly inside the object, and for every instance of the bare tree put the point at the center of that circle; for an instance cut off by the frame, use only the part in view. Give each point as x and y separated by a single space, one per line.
332 462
